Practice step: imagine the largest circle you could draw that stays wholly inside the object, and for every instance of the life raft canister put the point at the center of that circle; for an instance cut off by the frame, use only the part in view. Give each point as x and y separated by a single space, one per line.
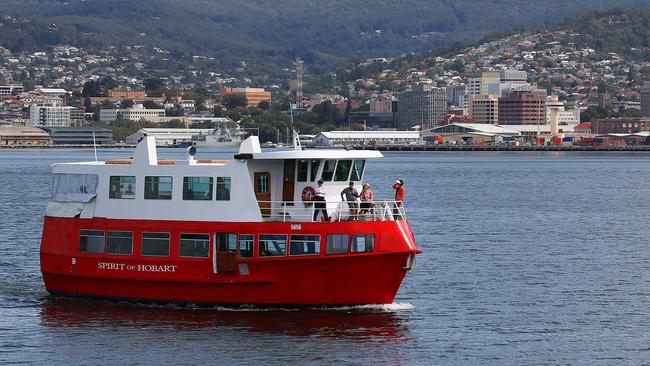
308 194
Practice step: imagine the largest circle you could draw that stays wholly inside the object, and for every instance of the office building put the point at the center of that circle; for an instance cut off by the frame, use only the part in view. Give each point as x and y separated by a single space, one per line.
645 99
10 90
523 108
50 113
79 135
422 106
484 109
253 95
135 113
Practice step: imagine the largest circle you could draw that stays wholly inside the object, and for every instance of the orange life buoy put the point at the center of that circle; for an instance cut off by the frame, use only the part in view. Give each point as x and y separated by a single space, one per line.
308 194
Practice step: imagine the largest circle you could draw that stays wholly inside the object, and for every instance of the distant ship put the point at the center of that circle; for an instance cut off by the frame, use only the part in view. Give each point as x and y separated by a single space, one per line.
220 137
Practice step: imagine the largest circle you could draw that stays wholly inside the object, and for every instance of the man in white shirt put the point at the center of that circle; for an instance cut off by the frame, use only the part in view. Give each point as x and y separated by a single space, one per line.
320 205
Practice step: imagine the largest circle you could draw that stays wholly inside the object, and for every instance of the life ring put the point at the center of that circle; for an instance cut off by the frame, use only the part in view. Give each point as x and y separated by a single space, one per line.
308 194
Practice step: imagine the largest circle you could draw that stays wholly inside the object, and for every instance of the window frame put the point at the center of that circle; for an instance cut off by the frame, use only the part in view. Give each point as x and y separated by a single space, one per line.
320 242
169 251
229 186
337 253
322 175
103 242
171 191
111 182
117 231
299 170
374 243
239 248
353 170
313 173
180 240
186 181
259 246
347 177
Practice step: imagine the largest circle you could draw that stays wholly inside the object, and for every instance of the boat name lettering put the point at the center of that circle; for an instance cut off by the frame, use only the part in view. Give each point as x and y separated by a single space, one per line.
296 227
137 267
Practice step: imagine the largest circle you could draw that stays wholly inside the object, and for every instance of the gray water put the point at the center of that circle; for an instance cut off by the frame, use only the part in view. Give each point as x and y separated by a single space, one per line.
529 258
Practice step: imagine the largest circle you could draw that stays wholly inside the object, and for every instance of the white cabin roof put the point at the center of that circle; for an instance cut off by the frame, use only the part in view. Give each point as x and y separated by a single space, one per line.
250 149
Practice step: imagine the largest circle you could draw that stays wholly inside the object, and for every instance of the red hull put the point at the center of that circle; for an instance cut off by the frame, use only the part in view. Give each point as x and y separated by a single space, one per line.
341 279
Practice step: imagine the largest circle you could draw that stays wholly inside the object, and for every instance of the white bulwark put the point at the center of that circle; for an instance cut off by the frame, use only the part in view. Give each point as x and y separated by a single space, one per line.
357 138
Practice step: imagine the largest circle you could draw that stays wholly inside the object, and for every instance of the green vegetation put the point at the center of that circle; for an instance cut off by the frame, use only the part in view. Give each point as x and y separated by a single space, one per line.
264 32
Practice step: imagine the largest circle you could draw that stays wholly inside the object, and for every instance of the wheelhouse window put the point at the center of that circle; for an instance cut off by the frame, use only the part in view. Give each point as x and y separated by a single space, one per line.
73 187
197 188
362 243
122 187
272 245
157 188
313 172
223 188
155 244
91 241
342 170
328 170
119 242
245 245
304 245
302 170
337 243
195 245
357 170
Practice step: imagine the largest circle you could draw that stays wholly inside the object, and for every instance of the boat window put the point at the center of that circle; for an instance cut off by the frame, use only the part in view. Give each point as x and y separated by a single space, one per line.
304 244
262 183
197 188
195 245
303 167
157 188
155 244
328 170
227 242
272 245
362 243
245 245
313 174
73 187
122 187
91 241
337 243
119 242
357 170
342 170
223 188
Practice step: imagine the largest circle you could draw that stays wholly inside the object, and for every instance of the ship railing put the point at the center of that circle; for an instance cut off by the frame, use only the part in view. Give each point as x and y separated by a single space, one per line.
300 211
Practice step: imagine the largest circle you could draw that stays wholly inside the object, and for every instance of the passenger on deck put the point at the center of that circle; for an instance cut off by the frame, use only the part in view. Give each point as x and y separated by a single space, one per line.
319 202
366 199
400 194
351 195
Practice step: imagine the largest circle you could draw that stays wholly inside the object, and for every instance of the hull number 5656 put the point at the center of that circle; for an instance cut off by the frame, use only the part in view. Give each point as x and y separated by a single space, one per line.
296 227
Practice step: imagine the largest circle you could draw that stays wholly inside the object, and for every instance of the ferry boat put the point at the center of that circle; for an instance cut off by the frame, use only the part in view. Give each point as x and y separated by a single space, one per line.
232 232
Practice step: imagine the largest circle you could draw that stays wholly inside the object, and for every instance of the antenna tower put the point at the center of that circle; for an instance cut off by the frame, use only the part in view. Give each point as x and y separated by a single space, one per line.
299 69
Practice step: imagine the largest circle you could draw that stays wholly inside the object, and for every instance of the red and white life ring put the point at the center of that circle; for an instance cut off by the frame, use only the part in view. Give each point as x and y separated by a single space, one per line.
308 194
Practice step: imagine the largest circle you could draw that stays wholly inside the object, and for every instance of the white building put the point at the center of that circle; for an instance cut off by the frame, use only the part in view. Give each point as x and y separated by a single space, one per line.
136 113
168 136
344 138
10 89
50 113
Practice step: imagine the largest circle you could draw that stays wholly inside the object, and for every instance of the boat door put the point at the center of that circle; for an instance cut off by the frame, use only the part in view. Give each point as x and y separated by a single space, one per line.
226 253
289 181
262 188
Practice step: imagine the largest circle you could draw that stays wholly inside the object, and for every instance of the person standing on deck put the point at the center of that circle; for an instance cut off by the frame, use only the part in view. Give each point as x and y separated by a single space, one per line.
319 202
400 194
351 195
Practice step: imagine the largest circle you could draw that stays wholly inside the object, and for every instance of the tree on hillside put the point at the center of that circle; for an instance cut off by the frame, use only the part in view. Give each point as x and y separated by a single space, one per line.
264 105
232 101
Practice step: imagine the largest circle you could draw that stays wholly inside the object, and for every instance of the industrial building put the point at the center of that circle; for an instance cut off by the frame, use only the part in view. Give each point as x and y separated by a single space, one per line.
468 133
79 135
345 138
620 125
24 136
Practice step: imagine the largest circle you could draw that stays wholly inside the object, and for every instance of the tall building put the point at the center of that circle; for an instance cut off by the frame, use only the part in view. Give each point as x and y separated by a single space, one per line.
484 109
490 82
523 108
454 92
51 112
423 105
645 99
253 95
381 106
